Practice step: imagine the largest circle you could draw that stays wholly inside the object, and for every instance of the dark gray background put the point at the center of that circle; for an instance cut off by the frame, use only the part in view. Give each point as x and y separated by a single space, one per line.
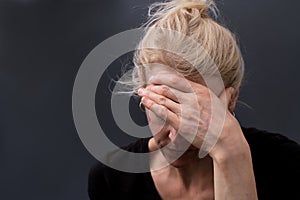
42 44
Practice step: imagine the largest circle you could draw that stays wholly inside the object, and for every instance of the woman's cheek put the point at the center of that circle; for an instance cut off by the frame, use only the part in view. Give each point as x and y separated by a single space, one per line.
158 127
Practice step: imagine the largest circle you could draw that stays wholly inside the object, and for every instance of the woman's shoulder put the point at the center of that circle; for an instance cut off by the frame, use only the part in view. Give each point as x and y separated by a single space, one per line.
260 138
272 147
100 169
105 182
276 163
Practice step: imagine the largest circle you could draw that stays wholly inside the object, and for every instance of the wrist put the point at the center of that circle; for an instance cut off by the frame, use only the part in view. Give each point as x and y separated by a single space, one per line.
226 158
236 150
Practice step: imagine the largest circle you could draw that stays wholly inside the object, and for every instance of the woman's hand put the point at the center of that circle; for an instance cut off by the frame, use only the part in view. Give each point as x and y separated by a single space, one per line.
196 113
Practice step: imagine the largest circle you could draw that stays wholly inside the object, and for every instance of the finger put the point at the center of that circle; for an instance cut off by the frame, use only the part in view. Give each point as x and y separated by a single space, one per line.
161 111
226 95
174 81
160 99
171 93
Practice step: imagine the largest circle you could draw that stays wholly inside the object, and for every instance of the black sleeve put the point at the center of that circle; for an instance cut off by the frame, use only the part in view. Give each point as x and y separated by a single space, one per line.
107 183
289 170
97 184
276 162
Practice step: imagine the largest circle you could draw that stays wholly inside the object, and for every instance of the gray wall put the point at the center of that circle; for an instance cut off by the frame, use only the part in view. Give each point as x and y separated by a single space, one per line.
42 44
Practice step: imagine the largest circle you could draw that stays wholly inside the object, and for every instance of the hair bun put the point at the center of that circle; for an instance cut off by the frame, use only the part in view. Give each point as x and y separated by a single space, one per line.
162 10
199 4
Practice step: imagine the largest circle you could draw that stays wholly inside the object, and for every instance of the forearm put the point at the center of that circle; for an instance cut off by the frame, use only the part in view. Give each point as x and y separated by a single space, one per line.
234 176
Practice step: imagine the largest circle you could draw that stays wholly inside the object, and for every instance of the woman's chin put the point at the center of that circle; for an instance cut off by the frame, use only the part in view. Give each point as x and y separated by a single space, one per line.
180 160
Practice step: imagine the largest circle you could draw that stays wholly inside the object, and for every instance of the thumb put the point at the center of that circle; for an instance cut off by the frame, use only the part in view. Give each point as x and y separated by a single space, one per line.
226 95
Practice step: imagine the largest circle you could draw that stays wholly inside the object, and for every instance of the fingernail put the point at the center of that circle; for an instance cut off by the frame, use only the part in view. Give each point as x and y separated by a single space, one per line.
140 91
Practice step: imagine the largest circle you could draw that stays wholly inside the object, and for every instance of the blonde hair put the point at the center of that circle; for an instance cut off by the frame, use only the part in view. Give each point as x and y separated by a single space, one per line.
197 20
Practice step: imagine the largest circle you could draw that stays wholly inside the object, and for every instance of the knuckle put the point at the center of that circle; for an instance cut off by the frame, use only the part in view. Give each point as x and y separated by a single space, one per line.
178 97
162 111
183 128
190 117
203 126
203 92
207 94
189 112
174 80
150 104
190 100
164 89
162 100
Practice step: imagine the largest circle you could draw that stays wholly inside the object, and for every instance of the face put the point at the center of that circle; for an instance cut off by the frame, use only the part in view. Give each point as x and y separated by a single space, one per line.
173 146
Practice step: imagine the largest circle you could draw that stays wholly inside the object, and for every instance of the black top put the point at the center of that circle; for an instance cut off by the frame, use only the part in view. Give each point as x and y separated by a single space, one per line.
276 163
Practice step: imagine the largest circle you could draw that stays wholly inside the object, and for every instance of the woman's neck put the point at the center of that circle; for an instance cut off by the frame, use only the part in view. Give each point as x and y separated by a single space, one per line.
189 173
192 181
193 171
197 172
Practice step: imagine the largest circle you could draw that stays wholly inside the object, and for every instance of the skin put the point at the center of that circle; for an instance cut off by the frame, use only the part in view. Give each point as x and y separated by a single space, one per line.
174 107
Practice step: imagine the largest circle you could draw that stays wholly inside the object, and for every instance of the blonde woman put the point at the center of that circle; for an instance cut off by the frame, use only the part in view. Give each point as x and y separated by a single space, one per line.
176 82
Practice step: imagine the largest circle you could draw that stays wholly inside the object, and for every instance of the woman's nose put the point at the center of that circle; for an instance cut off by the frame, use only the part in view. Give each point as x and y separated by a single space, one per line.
172 134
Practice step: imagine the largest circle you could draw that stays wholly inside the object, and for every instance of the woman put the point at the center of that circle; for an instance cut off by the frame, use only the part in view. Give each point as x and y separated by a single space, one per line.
191 116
